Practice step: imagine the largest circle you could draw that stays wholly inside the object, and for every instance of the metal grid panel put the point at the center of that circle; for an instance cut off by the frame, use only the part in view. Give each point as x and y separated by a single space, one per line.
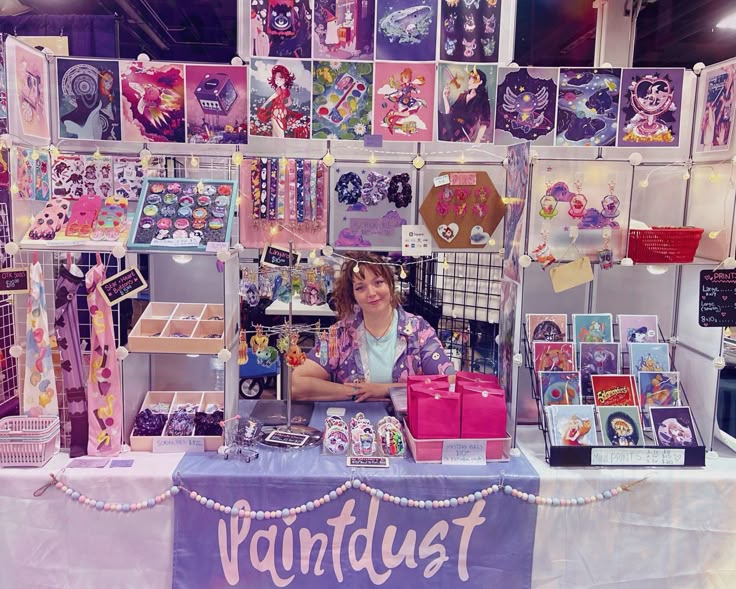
8 364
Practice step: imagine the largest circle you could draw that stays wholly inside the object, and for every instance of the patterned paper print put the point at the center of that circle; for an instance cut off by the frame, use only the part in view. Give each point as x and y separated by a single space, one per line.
403 102
280 98
32 176
129 174
362 216
89 99
649 114
343 29
342 100
75 175
29 89
526 105
217 104
469 30
466 103
587 108
716 114
281 28
153 101
406 30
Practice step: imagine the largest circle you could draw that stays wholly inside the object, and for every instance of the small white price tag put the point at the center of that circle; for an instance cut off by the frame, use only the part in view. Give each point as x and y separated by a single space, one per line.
441 181
637 456
464 452
173 444
335 411
415 241
216 246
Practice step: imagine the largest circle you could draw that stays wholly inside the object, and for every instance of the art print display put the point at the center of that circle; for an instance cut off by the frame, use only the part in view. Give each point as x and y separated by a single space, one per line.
469 30
517 186
217 104
614 390
638 328
598 358
673 427
621 426
560 388
651 103
546 328
403 101
153 101
33 176
507 328
658 389
73 176
369 204
406 30
3 91
649 357
342 100
28 92
281 28
717 110
280 98
89 99
572 425
526 104
466 103
587 107
553 356
344 29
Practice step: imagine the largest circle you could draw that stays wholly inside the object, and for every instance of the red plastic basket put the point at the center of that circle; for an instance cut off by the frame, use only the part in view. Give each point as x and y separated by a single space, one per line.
664 245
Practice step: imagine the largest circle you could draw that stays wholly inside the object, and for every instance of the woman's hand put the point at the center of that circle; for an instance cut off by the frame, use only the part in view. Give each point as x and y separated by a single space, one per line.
369 391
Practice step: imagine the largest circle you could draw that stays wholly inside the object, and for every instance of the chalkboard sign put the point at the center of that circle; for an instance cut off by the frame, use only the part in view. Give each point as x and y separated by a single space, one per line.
278 257
13 281
717 302
123 285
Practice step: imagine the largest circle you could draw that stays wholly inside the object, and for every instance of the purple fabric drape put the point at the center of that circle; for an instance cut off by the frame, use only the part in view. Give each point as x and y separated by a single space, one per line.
89 35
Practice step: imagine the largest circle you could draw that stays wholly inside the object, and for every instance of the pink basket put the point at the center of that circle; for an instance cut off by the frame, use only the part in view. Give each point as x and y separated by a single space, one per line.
28 441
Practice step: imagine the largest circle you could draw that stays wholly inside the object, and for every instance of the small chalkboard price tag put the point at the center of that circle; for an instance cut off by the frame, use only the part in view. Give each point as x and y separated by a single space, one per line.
717 298
283 438
368 461
14 281
123 285
278 257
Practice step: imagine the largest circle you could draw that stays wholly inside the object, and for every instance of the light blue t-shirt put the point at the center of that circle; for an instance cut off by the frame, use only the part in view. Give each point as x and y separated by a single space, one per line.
382 353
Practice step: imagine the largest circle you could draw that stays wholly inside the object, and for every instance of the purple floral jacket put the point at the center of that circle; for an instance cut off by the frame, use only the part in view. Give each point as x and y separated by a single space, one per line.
418 351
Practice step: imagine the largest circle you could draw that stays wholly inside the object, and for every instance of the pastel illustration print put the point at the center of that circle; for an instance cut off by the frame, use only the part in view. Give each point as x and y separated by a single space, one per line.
342 101
466 103
717 116
281 28
406 30
403 101
472 26
525 105
30 89
343 29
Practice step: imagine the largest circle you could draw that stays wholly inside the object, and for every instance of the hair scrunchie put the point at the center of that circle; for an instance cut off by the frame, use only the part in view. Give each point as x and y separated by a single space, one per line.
399 190
349 188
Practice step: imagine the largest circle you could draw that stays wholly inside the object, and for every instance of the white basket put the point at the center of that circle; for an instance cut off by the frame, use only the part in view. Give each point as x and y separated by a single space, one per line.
28 441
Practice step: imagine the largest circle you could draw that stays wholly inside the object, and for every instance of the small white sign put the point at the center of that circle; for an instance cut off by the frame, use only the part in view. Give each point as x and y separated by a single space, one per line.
216 246
442 181
637 457
335 411
177 242
464 452
171 444
415 241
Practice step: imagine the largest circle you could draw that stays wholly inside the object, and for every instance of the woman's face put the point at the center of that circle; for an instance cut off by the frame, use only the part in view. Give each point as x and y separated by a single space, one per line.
473 83
372 293
278 79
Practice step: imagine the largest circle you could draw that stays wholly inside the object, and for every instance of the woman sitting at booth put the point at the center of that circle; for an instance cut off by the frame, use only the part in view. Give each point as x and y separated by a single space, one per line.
378 342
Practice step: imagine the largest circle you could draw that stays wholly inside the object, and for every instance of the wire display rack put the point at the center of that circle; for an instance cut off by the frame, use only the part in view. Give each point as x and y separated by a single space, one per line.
640 456
8 364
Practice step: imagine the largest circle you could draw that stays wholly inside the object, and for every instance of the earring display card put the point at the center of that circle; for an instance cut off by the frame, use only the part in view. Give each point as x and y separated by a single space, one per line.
183 214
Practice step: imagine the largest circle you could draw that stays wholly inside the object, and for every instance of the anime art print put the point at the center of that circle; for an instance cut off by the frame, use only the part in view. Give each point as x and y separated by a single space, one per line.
469 30
572 425
33 177
649 357
406 30
344 29
553 356
621 426
598 358
466 103
526 103
560 388
673 426
3 92
649 113
28 95
717 112
342 100
587 107
73 176
280 98
153 101
281 28
592 328
517 186
217 104
89 99
658 389
403 102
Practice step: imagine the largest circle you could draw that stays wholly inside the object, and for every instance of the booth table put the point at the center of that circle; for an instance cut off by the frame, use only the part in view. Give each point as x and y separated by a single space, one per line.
675 529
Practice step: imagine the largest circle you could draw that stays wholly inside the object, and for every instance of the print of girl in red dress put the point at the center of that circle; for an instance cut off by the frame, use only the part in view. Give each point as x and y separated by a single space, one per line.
284 121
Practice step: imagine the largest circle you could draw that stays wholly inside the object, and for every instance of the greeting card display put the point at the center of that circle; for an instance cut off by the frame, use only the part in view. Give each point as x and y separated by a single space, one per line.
621 426
614 390
546 328
673 427
638 328
658 389
572 425
598 358
177 213
560 388
553 356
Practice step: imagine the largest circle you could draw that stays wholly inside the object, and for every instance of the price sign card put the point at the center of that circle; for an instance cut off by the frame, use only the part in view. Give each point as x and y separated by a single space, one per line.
172 444
637 456
123 285
466 452
278 257
368 461
287 438
717 298
13 281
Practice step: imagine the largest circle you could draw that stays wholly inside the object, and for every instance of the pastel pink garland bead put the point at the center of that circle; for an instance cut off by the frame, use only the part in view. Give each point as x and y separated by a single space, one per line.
193 495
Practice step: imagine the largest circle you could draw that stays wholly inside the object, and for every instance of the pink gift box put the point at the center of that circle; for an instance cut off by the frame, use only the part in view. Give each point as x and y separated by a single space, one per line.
434 412
483 410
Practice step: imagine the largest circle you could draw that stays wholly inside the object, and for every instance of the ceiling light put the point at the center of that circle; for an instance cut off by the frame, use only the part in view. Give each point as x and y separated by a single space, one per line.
728 22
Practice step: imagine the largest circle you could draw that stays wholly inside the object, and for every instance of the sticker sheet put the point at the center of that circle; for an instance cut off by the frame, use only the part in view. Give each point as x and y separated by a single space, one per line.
466 103
217 104
526 104
406 30
129 175
344 29
369 204
88 99
33 177
587 107
342 100
153 101
469 30
28 92
281 28
280 98
651 102
75 175
717 111
403 101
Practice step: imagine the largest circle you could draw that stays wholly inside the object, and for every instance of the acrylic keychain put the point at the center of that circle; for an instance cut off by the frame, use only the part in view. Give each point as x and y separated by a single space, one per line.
259 341
578 202
295 356
605 255
548 211
323 348
610 203
249 289
242 349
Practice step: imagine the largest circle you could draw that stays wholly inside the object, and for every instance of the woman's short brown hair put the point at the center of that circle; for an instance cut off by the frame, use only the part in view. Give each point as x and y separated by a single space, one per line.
343 292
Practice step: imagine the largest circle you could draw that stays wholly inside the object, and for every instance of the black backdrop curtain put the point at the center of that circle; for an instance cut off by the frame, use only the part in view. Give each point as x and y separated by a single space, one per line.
89 36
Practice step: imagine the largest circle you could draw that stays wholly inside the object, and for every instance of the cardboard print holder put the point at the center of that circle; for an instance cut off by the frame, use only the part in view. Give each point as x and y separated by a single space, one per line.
468 227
